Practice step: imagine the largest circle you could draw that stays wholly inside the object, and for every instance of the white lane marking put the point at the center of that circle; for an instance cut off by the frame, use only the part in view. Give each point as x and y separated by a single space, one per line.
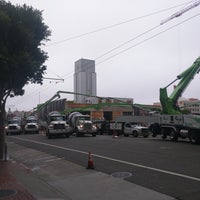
115 160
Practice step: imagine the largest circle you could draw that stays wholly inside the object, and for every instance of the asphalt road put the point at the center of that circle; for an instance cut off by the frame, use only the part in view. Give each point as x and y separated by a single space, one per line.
172 168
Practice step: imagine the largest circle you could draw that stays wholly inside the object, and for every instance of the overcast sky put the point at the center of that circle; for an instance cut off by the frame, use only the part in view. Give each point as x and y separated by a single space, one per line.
134 54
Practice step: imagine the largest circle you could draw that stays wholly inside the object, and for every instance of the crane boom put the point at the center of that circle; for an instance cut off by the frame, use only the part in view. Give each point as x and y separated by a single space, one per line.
179 13
58 93
169 104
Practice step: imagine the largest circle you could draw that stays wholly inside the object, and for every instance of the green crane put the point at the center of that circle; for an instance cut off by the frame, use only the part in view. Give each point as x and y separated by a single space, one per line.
58 93
169 104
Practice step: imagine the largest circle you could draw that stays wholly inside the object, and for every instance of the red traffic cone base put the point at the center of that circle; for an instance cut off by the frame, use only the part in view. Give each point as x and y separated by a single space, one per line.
90 162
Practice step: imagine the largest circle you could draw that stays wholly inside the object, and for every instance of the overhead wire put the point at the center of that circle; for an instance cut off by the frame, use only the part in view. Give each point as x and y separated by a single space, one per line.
36 91
137 44
155 35
126 42
115 48
114 25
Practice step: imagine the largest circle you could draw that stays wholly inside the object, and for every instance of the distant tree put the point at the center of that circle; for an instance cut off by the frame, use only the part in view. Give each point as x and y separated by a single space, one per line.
21 57
185 111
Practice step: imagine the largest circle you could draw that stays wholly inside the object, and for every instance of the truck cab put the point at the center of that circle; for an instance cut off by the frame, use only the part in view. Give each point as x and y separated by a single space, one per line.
31 125
14 126
81 124
57 125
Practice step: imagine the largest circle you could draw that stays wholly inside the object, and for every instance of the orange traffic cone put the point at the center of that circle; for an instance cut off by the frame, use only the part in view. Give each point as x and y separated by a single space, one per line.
90 162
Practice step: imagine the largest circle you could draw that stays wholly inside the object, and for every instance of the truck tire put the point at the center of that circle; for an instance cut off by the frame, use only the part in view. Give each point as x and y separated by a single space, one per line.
47 134
164 133
154 134
135 133
173 135
77 134
94 134
194 138
67 135
145 135
155 129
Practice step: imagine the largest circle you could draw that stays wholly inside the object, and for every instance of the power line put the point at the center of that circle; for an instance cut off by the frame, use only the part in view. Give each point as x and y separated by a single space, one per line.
117 47
114 25
124 43
141 42
36 91
137 44
117 24
184 10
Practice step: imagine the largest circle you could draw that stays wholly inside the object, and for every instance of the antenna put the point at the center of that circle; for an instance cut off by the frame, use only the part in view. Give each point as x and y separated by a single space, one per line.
179 13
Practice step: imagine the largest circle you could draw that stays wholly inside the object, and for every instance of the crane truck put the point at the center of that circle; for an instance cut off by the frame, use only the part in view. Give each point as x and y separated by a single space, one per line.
171 122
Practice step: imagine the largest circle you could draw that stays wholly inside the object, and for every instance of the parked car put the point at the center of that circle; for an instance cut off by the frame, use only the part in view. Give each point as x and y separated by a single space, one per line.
135 129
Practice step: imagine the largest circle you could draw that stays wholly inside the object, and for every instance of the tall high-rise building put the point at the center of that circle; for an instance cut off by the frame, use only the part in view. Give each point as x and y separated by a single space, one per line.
84 81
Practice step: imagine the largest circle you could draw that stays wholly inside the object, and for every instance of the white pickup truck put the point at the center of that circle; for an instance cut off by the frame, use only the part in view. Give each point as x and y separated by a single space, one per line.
135 129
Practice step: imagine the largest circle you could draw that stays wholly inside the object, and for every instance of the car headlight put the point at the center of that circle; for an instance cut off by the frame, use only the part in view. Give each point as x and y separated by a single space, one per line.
94 127
81 125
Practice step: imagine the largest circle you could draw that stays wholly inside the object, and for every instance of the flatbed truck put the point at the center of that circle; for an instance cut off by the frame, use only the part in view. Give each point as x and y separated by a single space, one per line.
171 122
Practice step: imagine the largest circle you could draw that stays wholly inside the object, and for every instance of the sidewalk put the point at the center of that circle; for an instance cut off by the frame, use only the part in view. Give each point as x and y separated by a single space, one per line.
32 174
10 187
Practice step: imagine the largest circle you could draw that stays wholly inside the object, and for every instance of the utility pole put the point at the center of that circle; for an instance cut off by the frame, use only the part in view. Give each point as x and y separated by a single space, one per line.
179 13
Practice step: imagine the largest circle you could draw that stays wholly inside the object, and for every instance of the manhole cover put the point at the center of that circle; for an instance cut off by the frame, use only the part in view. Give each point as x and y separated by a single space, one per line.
6 193
121 174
